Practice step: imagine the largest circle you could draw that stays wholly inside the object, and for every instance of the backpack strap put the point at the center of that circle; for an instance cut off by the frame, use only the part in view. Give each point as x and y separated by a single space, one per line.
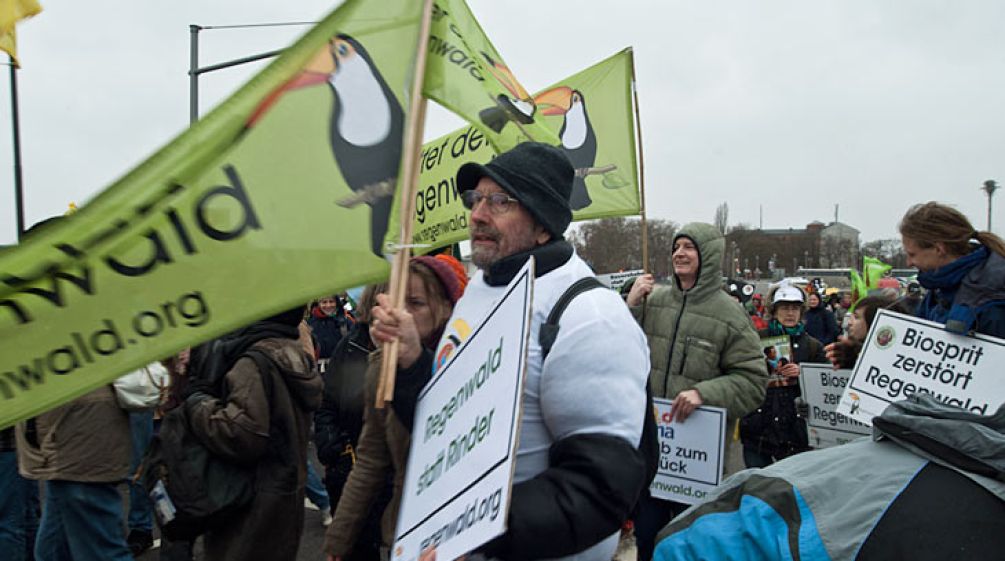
265 366
549 329
649 444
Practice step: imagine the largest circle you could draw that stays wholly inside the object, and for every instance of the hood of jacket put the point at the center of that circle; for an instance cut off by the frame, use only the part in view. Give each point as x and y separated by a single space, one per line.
967 441
296 369
711 245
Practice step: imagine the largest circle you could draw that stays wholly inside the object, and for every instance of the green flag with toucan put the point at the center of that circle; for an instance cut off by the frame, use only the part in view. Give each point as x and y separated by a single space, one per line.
283 192
466 74
592 114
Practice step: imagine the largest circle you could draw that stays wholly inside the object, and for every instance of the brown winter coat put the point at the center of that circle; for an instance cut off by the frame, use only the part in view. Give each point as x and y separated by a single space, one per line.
246 428
383 446
85 440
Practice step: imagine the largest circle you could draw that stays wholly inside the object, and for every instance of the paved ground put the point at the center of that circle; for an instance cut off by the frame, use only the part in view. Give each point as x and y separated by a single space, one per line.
313 536
310 542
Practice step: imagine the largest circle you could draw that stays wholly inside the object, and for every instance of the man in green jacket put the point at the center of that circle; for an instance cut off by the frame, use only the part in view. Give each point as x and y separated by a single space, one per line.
703 349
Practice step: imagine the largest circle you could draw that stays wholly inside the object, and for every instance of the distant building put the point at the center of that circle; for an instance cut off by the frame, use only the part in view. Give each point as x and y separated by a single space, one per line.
818 245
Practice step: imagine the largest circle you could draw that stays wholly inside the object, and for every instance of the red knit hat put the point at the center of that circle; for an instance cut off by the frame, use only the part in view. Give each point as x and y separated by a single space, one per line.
449 270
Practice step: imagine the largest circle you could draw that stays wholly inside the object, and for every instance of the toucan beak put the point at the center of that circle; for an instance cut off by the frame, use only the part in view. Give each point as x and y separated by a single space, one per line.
315 73
555 101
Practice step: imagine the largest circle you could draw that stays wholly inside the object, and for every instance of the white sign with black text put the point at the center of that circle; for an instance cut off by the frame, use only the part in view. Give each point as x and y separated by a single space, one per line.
614 281
903 355
691 453
821 387
464 442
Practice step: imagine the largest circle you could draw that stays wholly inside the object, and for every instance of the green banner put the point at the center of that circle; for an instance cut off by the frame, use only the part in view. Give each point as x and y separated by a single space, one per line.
873 269
282 193
467 75
592 114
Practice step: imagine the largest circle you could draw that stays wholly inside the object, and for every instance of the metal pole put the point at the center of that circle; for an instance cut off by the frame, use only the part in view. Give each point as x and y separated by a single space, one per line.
193 74
18 182
990 186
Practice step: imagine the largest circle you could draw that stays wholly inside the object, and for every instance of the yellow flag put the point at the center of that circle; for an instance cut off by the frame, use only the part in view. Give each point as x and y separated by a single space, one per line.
11 12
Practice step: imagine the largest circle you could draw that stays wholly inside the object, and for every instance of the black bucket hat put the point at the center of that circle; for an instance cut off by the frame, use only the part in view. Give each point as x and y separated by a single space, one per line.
538 175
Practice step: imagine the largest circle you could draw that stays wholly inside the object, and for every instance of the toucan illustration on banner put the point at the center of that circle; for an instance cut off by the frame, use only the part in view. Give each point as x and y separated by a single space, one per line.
576 134
367 123
518 107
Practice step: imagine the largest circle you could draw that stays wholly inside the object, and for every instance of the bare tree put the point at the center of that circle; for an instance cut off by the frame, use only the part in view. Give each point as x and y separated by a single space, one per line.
889 251
722 218
615 244
837 252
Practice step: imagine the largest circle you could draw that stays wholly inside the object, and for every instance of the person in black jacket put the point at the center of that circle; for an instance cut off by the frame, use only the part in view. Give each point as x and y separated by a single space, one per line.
774 431
819 321
329 323
339 421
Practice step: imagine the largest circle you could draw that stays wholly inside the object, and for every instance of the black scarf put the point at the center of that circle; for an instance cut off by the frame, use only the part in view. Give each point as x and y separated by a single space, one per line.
547 258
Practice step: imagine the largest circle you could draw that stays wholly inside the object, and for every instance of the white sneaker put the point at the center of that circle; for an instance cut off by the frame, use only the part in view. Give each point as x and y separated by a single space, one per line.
326 518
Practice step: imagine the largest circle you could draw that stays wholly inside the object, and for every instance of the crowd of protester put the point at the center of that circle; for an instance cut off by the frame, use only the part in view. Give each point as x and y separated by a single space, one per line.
263 394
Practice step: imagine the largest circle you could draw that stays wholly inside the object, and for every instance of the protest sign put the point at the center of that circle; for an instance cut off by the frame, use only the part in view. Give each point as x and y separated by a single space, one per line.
460 466
903 355
691 453
615 281
777 352
821 388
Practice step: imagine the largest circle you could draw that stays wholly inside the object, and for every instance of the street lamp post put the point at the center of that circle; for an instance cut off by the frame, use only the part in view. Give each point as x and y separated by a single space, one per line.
194 71
990 186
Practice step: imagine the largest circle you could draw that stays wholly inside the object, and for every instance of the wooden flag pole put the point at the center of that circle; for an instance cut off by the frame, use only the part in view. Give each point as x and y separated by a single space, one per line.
642 184
410 171
642 173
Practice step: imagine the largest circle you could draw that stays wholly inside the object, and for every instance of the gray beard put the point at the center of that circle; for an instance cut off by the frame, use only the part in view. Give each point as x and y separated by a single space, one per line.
483 262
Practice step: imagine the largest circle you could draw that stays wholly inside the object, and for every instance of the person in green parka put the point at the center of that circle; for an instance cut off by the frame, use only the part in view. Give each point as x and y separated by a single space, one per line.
703 349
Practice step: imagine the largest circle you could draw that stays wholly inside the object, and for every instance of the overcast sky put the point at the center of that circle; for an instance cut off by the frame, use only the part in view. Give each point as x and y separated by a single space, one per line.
794 105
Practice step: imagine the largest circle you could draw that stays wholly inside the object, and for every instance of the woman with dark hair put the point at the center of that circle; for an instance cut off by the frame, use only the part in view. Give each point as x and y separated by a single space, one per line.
962 268
434 286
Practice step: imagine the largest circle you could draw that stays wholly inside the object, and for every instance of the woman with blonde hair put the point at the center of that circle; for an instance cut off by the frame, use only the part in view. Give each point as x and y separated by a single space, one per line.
962 268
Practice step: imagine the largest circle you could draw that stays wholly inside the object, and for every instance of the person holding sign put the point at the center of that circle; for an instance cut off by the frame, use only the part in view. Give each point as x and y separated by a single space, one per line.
703 348
774 431
861 320
578 468
962 269
434 286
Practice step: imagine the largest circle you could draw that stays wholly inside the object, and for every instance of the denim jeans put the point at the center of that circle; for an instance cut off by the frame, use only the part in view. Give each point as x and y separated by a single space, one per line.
18 510
315 490
81 522
141 516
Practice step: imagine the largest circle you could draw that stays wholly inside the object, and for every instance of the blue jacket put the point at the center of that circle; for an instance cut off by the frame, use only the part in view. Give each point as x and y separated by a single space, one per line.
967 294
928 486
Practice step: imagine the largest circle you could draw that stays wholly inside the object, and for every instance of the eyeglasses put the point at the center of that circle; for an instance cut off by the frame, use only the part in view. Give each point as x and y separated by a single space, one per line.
499 203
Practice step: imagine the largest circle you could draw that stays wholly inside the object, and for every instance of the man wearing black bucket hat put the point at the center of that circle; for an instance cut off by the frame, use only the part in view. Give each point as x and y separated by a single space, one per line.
579 470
